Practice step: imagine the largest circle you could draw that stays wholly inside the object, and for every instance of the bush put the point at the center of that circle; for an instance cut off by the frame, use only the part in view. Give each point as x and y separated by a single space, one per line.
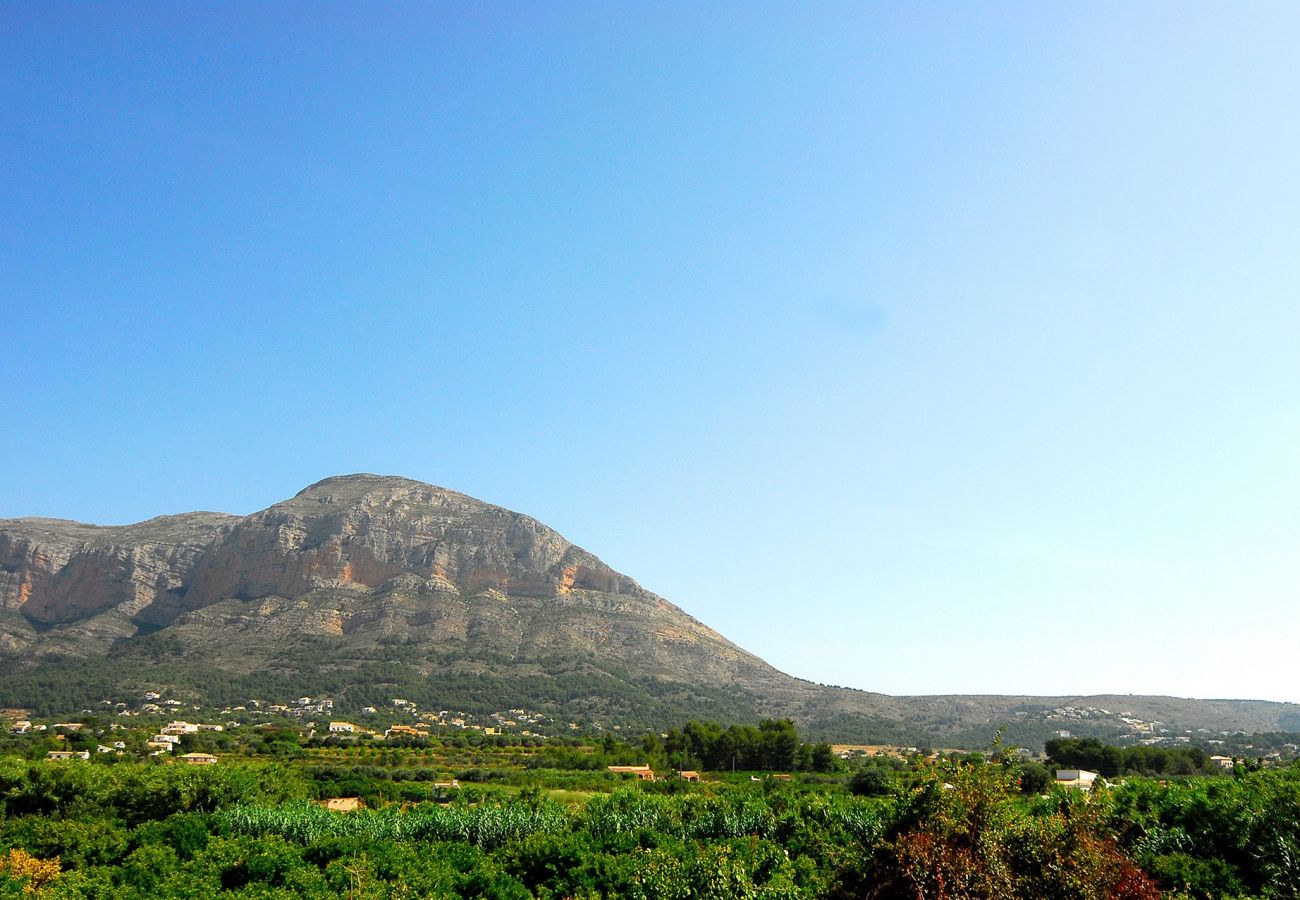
872 781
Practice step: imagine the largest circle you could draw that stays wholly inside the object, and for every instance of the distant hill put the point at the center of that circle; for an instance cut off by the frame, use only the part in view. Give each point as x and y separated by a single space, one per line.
366 587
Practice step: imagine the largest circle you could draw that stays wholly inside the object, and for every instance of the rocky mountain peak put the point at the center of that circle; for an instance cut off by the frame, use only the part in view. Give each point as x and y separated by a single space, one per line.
369 529
346 489
363 531
357 559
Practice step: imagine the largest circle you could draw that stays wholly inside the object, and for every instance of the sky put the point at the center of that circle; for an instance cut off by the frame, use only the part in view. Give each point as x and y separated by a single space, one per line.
915 347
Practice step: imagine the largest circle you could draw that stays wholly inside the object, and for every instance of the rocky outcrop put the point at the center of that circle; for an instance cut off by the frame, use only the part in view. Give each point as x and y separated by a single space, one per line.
54 571
360 558
367 530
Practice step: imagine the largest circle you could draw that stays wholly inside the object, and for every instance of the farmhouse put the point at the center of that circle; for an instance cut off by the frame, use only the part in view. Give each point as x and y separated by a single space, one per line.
68 754
199 759
642 772
1223 762
442 789
405 731
342 728
1078 779
343 804
689 775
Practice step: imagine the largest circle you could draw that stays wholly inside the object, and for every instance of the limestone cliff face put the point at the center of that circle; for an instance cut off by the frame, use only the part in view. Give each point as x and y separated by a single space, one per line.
366 530
360 559
55 571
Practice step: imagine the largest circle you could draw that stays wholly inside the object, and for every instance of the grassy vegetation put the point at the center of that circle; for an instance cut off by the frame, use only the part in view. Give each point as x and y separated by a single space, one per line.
545 819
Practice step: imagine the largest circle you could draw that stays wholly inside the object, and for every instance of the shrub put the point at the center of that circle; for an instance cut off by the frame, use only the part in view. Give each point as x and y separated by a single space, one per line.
33 873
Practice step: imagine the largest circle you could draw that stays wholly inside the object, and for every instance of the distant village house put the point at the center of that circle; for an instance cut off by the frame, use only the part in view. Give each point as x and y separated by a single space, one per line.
68 754
405 731
642 772
1075 779
343 804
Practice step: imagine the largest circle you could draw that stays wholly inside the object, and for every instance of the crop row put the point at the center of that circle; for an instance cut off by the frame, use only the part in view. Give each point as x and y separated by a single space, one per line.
493 824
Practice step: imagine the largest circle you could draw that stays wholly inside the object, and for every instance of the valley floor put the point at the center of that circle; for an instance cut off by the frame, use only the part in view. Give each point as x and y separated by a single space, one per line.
518 822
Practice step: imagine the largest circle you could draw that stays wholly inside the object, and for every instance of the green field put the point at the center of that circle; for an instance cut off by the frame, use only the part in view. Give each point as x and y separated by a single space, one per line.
545 819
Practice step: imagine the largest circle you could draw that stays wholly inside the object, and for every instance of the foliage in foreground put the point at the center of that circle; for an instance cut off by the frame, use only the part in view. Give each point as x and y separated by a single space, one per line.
955 831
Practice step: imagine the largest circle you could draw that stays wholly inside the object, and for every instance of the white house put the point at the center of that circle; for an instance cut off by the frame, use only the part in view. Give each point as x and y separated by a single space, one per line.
1080 779
342 728
68 754
1223 762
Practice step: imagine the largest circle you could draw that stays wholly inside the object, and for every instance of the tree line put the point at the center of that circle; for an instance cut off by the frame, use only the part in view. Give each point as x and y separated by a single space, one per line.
1111 761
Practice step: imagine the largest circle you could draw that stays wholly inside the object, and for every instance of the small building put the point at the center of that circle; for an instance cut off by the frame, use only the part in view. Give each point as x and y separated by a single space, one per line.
781 776
1076 779
405 731
689 775
443 791
1223 762
179 728
68 754
342 728
199 759
642 772
343 804
22 727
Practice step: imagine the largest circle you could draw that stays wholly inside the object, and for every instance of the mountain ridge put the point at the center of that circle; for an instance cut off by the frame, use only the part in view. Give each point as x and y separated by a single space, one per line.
360 575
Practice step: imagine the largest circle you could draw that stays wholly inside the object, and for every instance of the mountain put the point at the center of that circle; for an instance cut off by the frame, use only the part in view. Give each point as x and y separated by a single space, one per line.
366 587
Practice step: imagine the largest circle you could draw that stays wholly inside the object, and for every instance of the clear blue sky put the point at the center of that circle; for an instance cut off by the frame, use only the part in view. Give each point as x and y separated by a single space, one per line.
921 348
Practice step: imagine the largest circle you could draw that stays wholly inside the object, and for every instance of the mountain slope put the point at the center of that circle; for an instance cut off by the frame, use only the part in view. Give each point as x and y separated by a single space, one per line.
362 584
362 570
